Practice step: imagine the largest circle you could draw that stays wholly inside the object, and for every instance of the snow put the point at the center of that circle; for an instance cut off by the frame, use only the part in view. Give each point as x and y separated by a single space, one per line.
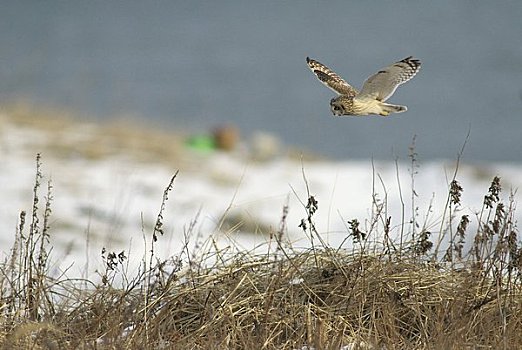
113 202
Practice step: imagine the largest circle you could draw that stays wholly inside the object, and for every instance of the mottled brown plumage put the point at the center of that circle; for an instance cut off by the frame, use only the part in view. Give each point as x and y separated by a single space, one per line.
375 91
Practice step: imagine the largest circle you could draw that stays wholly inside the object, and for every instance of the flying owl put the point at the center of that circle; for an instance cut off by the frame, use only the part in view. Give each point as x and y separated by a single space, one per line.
375 91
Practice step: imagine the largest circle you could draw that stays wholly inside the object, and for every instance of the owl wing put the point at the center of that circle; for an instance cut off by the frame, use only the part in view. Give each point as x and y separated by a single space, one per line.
330 78
383 84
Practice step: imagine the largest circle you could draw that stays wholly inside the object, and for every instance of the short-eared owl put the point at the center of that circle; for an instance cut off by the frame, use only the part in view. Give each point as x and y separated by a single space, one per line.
375 91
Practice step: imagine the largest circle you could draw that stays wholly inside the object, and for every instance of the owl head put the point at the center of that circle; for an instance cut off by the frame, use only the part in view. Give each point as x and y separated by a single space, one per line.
339 106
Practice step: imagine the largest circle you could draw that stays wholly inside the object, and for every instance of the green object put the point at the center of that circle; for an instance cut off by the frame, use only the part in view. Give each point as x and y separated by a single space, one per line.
201 143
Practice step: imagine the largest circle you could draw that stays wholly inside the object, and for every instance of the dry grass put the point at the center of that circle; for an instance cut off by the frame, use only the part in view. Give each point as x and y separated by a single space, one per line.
71 136
407 294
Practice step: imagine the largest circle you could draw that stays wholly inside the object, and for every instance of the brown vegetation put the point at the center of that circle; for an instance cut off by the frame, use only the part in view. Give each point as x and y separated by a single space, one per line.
392 294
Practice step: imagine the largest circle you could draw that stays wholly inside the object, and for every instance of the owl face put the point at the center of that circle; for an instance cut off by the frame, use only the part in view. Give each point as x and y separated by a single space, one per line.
339 106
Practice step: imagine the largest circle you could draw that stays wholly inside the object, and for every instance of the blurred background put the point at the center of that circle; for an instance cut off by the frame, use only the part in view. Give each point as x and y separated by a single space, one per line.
199 64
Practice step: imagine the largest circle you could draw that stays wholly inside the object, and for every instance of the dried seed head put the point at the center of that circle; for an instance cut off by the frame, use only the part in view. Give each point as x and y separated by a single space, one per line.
463 225
355 232
493 193
312 205
455 192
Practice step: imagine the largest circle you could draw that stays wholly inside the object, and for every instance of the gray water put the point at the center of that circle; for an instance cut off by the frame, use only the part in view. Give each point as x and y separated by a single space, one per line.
194 65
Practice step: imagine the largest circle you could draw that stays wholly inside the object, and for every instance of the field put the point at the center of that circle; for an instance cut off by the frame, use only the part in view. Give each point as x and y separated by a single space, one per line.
403 273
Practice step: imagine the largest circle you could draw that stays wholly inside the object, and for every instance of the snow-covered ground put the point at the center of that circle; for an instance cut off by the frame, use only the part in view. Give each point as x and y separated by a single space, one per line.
113 200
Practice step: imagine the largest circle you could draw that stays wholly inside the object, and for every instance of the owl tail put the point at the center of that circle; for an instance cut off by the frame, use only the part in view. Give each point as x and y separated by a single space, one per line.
386 109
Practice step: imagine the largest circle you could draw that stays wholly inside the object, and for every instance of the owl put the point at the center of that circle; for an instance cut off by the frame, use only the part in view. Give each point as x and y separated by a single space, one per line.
374 93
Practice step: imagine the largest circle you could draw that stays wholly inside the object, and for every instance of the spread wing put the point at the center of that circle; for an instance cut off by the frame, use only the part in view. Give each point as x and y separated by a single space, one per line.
383 84
329 78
